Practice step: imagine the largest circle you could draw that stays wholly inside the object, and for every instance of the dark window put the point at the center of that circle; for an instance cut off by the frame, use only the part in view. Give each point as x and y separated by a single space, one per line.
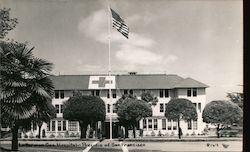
114 93
155 124
169 125
61 108
163 124
131 92
189 92
64 125
194 92
161 107
144 123
165 106
166 93
97 93
194 105
92 92
48 126
199 106
189 124
108 108
149 123
53 125
56 94
57 108
114 108
161 93
61 94
174 125
108 94
125 91
59 126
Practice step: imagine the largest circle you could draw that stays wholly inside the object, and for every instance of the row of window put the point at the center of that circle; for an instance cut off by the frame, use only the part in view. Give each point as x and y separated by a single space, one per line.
166 124
163 93
109 107
59 108
61 125
162 107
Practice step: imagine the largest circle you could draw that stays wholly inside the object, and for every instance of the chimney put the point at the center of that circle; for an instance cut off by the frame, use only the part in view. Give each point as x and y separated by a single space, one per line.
132 73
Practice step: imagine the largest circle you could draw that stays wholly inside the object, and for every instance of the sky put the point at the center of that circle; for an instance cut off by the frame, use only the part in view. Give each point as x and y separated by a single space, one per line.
201 39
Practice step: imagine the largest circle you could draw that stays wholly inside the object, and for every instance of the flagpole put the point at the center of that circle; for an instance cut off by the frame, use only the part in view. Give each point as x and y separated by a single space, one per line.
109 73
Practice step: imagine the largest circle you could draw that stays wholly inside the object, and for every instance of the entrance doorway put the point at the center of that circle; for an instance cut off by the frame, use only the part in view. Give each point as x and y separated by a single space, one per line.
106 130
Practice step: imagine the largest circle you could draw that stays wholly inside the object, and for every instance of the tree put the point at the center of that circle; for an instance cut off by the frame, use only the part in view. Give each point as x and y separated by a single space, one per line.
23 79
6 23
221 113
84 109
149 97
43 113
236 97
180 108
131 111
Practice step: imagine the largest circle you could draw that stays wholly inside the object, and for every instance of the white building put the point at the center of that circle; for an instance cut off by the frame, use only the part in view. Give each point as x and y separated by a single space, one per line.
165 87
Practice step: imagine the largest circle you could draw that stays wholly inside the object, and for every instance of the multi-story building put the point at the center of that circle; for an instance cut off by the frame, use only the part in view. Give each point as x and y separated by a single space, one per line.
163 86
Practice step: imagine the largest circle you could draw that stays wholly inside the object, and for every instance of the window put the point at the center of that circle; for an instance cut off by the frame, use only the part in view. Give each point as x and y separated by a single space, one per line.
161 93
108 94
64 125
189 123
92 92
161 107
125 92
174 125
195 125
72 125
62 94
97 93
189 92
114 93
57 108
194 105
48 126
163 124
114 108
59 92
150 123
169 125
53 125
199 106
61 108
108 108
166 93
56 94
59 126
144 123
131 92
155 124
194 92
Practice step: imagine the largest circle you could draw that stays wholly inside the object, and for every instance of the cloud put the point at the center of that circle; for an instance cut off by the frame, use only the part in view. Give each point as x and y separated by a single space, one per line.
132 52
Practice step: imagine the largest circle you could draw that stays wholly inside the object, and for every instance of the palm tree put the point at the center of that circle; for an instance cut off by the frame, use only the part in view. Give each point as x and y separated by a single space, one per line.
23 80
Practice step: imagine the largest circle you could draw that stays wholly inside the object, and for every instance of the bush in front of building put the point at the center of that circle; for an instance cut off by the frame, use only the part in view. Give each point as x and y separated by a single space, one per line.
180 109
221 114
85 109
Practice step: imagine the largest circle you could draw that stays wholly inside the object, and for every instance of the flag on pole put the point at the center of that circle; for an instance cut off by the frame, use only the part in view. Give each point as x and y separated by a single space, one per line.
119 24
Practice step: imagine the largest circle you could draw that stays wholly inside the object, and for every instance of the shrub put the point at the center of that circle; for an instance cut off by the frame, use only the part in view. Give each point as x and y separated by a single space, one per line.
152 133
193 133
172 133
66 134
159 133
52 136
187 134
31 135
25 136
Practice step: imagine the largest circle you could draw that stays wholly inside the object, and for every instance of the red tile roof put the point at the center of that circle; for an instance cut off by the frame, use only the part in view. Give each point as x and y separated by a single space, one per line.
125 81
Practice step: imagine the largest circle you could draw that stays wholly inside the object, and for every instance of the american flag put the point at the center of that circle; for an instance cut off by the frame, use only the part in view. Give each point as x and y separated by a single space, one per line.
119 24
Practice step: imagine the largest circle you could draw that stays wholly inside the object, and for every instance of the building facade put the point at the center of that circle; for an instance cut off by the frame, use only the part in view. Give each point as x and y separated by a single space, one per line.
165 87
